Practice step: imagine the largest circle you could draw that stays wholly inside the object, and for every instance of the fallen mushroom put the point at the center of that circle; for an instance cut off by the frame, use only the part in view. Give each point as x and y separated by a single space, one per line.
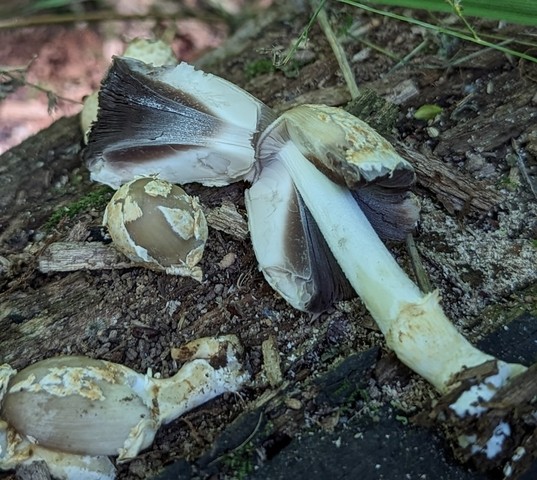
310 162
413 323
174 122
158 224
78 410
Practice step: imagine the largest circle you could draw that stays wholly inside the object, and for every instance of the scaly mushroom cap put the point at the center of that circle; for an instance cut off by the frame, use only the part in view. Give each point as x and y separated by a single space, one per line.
155 222
175 122
79 405
290 249
351 153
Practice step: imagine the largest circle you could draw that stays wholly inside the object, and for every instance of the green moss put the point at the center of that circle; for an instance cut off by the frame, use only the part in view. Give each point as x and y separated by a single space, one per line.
240 461
258 67
507 183
96 199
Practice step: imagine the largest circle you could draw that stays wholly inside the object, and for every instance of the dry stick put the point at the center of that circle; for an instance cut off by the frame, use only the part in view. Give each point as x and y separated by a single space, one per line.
99 16
522 168
417 266
339 53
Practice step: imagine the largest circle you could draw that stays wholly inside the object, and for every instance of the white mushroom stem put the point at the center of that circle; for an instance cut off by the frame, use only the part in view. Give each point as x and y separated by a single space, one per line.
413 323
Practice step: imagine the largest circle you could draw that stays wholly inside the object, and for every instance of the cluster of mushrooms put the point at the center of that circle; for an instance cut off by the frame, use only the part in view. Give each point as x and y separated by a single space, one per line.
324 187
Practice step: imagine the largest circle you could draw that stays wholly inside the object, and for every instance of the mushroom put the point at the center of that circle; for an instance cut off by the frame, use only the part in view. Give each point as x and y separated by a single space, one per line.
321 174
78 410
175 122
158 224
310 139
292 250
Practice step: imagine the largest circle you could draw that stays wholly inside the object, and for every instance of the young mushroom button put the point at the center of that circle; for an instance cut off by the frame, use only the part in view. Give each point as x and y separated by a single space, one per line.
156 223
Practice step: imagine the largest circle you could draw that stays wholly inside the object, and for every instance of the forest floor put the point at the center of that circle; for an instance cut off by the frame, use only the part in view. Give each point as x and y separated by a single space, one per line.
477 238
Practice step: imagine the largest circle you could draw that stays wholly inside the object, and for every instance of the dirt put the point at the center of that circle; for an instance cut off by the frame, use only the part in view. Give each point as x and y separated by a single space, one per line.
486 134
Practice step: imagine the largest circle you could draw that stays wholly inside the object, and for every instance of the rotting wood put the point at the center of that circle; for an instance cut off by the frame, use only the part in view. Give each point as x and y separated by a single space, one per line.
30 178
227 219
73 256
456 191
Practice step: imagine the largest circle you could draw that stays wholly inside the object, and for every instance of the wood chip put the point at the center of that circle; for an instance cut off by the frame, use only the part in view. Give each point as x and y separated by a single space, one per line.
271 362
73 256
227 219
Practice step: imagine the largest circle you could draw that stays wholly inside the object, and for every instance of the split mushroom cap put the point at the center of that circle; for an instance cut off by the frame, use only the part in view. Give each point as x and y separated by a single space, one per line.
153 52
159 224
292 252
176 122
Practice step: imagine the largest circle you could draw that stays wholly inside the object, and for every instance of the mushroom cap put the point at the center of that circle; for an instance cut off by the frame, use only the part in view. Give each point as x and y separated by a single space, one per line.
153 52
346 149
80 405
157 223
352 154
176 122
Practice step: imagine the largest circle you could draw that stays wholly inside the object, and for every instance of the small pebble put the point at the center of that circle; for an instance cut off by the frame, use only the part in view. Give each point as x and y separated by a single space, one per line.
227 260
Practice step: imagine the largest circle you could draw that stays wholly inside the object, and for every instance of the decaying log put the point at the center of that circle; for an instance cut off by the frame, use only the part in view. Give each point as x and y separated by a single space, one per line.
456 191
73 256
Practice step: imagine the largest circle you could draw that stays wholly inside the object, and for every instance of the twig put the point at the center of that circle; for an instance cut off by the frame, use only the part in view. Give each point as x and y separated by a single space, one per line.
339 53
100 16
522 167
410 55
417 265
18 76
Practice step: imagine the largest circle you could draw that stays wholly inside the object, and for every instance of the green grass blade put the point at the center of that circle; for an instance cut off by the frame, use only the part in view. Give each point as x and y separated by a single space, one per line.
440 29
512 11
